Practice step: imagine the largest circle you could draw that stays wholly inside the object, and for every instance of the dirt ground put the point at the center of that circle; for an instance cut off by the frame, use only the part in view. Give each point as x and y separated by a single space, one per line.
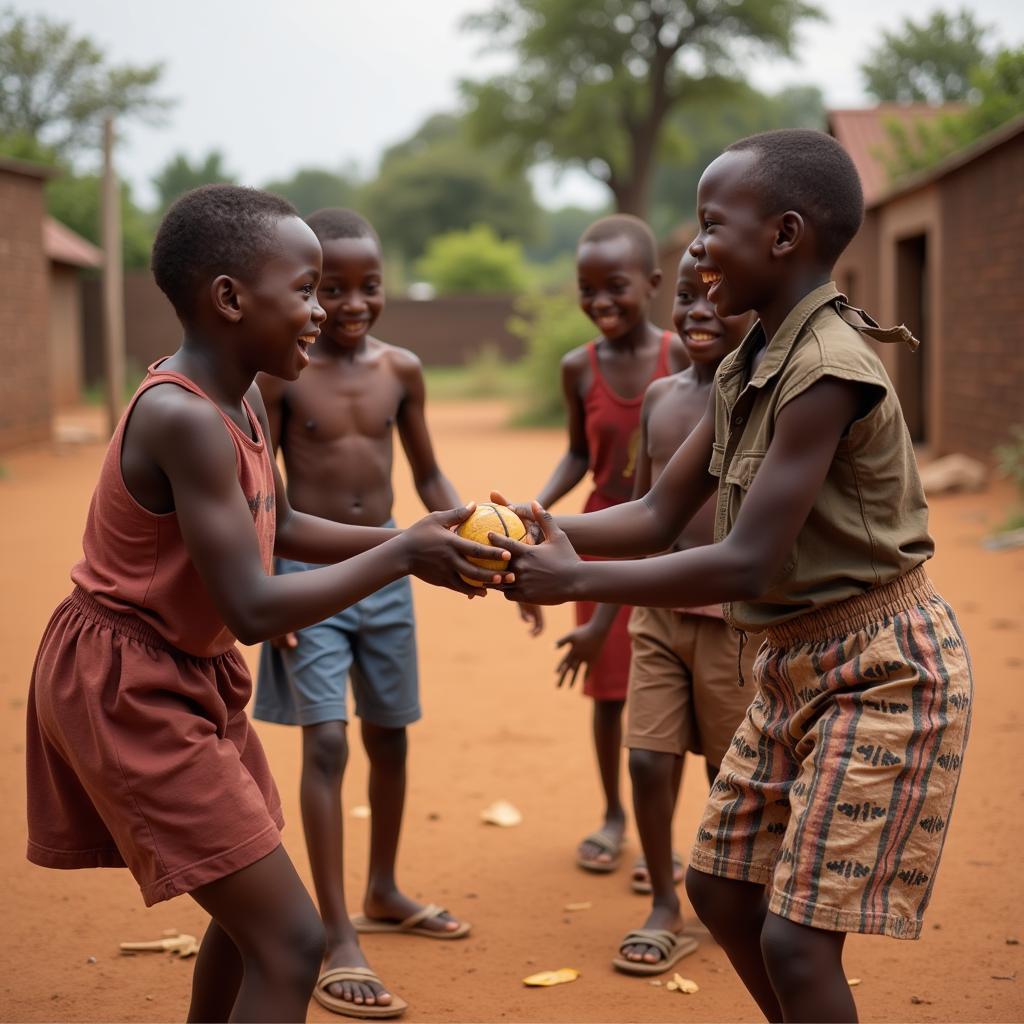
495 726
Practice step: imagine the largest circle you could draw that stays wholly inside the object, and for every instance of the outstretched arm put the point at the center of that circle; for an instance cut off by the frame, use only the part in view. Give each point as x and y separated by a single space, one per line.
572 467
740 567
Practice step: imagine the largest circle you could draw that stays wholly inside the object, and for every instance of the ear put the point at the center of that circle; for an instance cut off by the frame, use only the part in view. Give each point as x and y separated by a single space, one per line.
654 280
224 293
790 230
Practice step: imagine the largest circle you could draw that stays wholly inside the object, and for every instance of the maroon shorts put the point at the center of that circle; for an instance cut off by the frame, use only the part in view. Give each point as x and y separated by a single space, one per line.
608 677
141 756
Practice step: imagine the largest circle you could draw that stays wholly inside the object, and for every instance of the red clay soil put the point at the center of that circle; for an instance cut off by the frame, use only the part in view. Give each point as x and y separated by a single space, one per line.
495 726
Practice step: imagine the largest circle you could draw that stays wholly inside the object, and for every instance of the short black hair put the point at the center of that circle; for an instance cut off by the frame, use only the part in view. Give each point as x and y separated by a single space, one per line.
334 222
633 229
809 172
212 230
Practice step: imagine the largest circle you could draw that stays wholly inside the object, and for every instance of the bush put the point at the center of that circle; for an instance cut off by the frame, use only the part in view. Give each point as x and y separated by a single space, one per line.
550 326
1010 462
474 261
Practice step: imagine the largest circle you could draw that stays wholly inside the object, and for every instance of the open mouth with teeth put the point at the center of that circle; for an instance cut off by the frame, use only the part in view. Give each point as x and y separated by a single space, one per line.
710 277
701 337
303 343
354 328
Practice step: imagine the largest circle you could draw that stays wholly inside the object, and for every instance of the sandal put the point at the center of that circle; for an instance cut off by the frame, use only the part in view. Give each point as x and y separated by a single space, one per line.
672 947
359 1010
606 843
414 924
642 883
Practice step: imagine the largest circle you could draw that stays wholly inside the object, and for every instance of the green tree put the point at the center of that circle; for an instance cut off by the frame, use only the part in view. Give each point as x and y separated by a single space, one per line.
75 200
56 87
998 88
560 232
437 182
931 61
179 175
313 188
596 80
476 260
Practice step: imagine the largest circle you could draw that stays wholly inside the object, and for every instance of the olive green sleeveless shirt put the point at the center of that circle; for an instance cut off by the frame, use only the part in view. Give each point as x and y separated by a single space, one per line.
869 522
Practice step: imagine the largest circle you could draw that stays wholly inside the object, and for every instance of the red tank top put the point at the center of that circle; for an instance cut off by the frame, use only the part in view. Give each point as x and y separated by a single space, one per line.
136 561
613 431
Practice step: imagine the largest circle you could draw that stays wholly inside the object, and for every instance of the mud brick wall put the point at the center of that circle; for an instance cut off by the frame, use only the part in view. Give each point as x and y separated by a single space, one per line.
982 385
25 407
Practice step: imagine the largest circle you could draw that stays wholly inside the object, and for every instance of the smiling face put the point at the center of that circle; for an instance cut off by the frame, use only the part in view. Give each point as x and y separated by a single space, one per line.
734 250
351 290
707 336
279 305
614 288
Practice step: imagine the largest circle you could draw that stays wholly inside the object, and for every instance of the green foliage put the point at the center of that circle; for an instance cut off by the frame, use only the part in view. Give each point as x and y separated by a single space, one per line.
708 129
550 326
1010 463
56 87
436 182
76 200
313 188
476 260
560 232
931 61
998 86
595 80
180 175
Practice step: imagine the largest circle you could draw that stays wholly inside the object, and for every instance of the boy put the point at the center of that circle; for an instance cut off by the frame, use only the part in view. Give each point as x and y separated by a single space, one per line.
603 383
334 426
832 803
138 750
683 687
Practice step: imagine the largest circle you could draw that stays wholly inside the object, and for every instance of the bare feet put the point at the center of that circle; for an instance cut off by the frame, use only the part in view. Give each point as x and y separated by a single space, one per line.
363 993
395 906
662 918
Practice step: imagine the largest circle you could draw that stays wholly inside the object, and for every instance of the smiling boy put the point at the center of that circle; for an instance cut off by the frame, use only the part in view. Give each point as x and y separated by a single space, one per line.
833 802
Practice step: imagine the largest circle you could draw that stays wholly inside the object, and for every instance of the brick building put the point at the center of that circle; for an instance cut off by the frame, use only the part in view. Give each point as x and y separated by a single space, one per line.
943 252
25 397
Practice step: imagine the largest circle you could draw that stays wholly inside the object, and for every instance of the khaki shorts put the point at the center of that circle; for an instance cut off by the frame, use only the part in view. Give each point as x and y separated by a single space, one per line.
684 683
837 789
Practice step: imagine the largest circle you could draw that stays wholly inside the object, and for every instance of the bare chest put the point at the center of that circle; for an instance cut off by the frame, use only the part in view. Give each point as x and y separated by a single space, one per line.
342 407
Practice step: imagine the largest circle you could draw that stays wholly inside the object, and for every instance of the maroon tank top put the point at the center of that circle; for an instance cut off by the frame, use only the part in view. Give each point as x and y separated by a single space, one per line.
613 431
136 561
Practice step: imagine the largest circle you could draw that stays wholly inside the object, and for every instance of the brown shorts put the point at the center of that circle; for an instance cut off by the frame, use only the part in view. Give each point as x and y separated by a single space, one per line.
684 683
139 755
838 787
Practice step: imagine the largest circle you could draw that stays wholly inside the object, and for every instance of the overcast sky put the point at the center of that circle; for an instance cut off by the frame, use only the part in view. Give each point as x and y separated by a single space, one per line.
280 84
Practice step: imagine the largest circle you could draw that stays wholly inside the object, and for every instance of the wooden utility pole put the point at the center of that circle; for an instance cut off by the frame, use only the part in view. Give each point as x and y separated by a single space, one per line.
113 281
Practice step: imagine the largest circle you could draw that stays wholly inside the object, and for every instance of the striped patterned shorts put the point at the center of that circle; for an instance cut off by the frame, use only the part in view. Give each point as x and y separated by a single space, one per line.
838 786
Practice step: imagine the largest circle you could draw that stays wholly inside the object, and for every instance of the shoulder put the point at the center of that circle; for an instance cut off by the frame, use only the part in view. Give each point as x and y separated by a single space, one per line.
172 421
661 387
576 360
402 361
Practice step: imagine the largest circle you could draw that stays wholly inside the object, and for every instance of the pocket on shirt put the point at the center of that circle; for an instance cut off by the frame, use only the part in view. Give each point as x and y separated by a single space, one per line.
717 458
743 468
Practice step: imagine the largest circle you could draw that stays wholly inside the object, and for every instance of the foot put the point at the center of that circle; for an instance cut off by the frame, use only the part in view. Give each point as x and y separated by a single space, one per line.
661 917
615 829
364 993
396 906
641 877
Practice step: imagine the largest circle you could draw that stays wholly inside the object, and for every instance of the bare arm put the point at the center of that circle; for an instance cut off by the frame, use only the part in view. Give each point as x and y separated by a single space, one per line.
433 487
741 566
186 439
572 467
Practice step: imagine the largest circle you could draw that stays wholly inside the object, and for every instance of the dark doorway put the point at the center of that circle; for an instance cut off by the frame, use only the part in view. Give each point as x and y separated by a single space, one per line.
912 310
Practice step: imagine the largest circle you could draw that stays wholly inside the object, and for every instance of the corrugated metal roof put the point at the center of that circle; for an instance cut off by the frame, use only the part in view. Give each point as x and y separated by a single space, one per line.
62 245
863 135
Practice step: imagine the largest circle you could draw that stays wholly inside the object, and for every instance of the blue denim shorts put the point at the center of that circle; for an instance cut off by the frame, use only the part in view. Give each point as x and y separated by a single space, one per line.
372 642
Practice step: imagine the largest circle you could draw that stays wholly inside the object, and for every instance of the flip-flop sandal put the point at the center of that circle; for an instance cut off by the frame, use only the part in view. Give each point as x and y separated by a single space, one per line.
643 885
607 843
672 947
335 1004
414 924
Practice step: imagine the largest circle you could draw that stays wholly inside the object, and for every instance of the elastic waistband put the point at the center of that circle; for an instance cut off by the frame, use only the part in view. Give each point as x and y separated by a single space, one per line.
854 613
120 622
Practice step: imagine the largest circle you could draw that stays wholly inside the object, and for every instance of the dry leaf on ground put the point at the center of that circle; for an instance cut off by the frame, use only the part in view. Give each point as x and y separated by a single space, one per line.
853 982
360 811
544 979
502 813
681 984
180 945
586 905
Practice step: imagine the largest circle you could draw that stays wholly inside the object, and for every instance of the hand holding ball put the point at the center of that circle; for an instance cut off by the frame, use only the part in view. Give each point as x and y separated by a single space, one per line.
490 518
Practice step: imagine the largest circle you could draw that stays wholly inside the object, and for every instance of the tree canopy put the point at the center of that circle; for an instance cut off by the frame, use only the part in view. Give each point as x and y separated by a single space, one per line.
56 87
179 175
474 261
313 188
595 80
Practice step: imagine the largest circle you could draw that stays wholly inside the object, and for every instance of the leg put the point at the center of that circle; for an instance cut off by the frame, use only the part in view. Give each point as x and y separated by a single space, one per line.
806 970
267 940
734 912
655 778
324 758
607 730
386 750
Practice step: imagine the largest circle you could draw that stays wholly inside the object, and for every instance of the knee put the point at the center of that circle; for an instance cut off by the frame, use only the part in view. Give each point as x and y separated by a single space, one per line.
385 747
650 767
788 955
325 748
701 892
723 904
290 955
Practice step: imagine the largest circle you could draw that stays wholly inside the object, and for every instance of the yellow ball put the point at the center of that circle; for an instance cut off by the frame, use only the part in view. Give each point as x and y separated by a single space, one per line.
489 518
